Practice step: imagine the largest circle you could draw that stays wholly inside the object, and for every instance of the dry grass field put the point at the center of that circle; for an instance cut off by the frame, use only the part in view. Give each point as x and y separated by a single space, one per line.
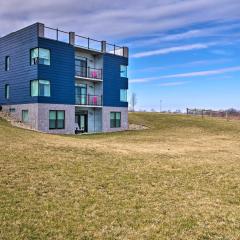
179 179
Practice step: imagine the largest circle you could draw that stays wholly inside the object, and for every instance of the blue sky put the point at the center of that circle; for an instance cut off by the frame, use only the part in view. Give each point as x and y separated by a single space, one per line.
182 52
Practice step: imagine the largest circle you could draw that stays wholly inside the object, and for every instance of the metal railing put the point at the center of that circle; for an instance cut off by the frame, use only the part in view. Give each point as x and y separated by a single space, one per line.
83 42
88 72
57 34
114 49
88 43
89 100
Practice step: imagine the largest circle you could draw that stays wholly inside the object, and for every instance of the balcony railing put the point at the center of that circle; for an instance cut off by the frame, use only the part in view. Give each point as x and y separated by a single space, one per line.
82 42
88 100
87 72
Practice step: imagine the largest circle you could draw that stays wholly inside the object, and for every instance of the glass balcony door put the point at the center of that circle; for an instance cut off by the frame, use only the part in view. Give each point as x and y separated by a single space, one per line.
81 67
81 94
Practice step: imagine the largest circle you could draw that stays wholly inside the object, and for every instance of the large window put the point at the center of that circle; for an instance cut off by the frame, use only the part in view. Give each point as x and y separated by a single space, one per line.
56 119
40 56
25 116
40 88
115 119
7 63
7 91
123 95
123 71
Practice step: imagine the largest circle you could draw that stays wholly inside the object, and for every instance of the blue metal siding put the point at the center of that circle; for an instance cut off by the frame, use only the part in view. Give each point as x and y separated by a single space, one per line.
17 45
60 73
112 82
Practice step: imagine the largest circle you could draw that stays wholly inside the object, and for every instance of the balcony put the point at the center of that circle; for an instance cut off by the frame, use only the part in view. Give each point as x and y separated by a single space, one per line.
88 100
88 73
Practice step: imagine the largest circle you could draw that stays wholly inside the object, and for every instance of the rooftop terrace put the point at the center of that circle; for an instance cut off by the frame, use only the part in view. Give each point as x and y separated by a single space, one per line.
81 41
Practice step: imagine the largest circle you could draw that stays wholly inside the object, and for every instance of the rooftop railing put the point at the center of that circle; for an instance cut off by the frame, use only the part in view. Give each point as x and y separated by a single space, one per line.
81 41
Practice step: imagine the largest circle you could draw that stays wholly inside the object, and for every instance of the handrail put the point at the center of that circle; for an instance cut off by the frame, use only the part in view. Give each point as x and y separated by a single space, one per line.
88 100
88 72
82 41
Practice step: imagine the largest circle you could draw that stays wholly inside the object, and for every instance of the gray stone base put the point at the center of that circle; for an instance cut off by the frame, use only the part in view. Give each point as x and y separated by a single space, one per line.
98 119
106 119
39 116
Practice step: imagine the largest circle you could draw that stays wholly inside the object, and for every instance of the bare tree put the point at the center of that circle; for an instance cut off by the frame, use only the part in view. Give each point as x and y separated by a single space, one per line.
133 101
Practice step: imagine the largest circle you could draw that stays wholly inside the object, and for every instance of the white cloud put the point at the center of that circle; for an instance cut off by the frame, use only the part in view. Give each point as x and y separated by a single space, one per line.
118 19
189 75
163 51
173 84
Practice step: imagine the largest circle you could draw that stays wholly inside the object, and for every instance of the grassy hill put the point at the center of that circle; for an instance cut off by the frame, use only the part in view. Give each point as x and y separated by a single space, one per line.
179 179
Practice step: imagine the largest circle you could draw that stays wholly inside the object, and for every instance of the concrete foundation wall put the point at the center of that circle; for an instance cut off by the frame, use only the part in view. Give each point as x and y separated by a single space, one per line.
39 116
98 119
106 119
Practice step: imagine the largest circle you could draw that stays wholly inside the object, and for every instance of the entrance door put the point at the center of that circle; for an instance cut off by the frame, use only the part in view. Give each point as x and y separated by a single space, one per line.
82 120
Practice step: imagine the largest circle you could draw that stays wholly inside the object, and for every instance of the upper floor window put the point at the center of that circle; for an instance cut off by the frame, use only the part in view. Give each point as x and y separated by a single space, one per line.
7 63
40 56
7 91
123 71
115 119
40 88
123 95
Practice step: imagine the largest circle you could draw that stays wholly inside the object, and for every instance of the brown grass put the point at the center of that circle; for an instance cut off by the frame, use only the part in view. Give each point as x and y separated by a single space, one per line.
179 179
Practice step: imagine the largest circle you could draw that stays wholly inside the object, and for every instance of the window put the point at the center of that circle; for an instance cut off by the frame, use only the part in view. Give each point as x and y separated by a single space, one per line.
56 119
7 63
123 71
40 88
40 56
115 119
123 95
7 91
25 116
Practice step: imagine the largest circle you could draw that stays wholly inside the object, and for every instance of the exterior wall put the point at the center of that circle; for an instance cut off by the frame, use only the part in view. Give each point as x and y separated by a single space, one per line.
43 118
17 45
61 72
39 116
17 115
112 82
106 119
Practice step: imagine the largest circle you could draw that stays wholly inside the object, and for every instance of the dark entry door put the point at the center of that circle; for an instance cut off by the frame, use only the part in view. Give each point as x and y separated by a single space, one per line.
82 120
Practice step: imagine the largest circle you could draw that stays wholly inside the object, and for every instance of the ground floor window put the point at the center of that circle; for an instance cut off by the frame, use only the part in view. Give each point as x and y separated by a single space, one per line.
25 116
56 119
115 119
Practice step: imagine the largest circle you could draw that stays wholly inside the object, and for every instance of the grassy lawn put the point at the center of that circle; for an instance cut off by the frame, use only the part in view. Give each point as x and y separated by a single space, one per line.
180 179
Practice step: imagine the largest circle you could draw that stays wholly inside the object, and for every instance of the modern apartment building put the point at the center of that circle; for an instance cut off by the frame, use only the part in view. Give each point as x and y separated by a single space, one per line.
58 81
